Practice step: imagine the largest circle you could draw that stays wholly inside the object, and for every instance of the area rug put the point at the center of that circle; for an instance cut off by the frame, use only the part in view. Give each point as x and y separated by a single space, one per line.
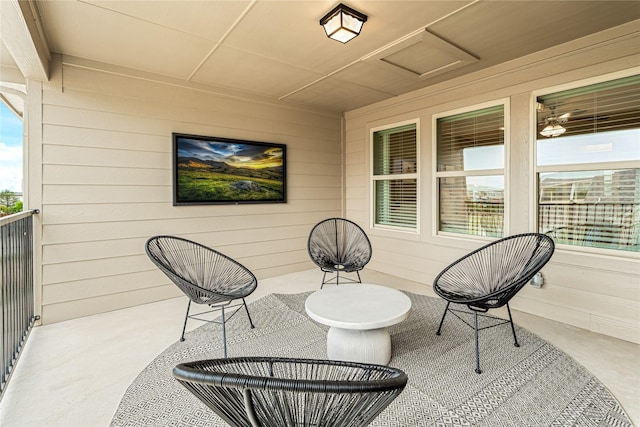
533 385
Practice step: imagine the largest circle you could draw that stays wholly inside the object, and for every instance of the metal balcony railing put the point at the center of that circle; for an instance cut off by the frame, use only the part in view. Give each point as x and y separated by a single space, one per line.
611 225
16 289
600 225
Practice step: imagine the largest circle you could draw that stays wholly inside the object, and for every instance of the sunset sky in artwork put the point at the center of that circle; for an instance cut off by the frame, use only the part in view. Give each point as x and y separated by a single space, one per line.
234 154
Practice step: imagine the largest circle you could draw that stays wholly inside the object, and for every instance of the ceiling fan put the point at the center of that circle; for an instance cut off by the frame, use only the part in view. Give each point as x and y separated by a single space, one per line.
553 122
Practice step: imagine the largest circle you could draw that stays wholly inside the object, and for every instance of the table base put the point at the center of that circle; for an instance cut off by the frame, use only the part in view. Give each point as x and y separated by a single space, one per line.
364 346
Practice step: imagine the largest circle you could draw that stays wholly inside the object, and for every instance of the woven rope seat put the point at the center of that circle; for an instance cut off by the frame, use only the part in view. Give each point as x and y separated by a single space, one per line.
205 275
490 276
338 245
281 392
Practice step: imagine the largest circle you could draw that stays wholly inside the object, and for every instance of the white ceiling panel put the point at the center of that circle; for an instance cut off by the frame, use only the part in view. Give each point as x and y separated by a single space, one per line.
382 77
335 94
205 19
87 31
497 31
231 68
290 32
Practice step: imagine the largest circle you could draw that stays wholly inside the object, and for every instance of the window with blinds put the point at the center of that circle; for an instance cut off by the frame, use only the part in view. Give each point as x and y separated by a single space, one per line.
395 176
588 175
470 172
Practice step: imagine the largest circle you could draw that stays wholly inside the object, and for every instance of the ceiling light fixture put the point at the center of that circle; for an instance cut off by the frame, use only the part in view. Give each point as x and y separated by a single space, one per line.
554 124
343 23
553 128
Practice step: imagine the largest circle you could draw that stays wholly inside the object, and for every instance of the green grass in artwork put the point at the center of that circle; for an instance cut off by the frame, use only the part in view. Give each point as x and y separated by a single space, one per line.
197 185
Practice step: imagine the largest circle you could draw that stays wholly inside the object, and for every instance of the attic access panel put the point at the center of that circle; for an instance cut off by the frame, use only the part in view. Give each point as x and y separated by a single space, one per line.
423 55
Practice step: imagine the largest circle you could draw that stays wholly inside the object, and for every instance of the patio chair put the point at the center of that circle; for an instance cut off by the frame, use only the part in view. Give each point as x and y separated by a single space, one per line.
338 245
490 276
282 392
205 276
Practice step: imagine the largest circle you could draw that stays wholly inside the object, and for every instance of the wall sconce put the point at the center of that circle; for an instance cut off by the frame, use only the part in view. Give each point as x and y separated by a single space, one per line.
343 23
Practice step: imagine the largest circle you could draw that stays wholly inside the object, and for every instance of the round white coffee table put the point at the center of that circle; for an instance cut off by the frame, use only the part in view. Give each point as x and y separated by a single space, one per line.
358 316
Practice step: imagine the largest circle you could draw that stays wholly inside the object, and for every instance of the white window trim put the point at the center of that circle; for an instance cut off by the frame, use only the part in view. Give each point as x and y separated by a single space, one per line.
373 178
535 169
435 214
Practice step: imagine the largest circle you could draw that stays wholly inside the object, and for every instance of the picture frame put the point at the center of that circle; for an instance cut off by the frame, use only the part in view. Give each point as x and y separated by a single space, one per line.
212 170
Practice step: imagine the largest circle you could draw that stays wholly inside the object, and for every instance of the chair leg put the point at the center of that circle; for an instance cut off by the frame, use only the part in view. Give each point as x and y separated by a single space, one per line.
513 329
324 277
248 315
478 371
359 279
224 333
442 320
184 327
338 277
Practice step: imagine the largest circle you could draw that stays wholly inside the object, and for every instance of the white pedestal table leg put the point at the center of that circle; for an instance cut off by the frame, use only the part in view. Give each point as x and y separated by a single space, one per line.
365 346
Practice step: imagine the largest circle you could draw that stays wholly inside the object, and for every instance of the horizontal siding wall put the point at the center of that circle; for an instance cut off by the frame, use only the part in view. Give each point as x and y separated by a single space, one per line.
595 292
107 186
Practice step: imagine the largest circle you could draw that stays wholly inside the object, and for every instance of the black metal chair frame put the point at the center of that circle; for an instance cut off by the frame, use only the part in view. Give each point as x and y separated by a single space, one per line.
224 318
339 261
479 305
282 392
239 282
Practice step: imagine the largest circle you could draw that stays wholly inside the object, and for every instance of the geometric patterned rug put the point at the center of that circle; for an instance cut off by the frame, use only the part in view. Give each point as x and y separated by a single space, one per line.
535 384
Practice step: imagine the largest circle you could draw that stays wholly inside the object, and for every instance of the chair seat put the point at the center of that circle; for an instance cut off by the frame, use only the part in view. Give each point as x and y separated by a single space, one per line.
338 245
282 392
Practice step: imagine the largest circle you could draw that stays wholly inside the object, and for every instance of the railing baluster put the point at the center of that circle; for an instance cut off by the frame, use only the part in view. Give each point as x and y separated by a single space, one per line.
17 311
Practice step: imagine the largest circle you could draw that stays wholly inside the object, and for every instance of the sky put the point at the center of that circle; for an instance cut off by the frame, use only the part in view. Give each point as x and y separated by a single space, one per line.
253 156
579 149
10 150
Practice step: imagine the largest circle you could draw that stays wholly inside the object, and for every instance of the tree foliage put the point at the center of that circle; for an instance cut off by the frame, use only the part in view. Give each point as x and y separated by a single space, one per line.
10 203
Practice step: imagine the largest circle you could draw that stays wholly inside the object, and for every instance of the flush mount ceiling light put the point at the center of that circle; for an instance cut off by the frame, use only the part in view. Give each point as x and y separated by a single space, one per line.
343 23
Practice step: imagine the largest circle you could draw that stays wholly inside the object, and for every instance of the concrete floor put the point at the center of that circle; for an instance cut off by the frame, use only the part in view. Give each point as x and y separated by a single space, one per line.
74 373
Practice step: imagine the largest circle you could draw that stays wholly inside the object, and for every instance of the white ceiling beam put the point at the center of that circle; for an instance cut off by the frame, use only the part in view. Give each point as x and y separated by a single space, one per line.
23 36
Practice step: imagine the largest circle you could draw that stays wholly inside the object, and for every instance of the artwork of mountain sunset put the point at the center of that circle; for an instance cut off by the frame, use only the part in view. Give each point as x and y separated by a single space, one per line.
211 170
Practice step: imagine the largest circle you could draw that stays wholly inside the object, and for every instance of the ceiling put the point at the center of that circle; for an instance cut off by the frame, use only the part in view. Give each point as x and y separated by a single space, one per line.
278 50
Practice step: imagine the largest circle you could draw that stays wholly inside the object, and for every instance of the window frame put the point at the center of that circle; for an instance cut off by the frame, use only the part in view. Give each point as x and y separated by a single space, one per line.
436 175
373 178
572 167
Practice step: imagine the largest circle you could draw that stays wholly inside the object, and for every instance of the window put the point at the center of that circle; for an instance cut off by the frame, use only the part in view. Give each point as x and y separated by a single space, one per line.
395 176
470 172
588 175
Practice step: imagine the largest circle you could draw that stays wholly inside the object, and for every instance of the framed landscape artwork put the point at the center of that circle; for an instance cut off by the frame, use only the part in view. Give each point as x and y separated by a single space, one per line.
211 170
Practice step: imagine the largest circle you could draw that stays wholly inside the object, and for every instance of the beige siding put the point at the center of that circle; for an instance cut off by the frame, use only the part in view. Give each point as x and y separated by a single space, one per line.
106 184
596 292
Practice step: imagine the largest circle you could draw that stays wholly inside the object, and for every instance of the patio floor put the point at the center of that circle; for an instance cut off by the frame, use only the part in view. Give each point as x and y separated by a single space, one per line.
74 373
